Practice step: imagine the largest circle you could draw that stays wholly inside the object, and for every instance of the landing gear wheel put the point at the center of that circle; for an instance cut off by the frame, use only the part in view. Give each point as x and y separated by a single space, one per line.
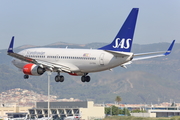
88 78
26 76
61 78
57 78
85 78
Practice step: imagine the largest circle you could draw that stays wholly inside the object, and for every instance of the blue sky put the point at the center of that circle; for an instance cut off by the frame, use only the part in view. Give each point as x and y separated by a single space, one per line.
42 22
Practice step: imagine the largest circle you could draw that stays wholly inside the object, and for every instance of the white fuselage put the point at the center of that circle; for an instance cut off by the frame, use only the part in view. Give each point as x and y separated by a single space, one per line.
78 60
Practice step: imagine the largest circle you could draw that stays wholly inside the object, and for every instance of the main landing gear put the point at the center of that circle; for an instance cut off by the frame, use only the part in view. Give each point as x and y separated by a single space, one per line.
59 78
85 78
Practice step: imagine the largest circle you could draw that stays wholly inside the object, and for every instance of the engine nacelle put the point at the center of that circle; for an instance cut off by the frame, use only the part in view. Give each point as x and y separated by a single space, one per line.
32 69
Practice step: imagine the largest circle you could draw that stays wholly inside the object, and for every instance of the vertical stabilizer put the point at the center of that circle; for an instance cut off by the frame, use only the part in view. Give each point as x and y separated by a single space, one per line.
10 49
124 38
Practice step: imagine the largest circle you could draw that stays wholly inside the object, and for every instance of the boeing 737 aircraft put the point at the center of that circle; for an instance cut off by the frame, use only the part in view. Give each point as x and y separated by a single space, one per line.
80 62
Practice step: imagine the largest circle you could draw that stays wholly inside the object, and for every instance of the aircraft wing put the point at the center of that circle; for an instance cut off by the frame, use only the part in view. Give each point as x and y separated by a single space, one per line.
44 64
142 56
149 55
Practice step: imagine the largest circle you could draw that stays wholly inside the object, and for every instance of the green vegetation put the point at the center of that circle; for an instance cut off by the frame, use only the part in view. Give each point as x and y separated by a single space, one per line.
139 118
118 99
138 111
115 111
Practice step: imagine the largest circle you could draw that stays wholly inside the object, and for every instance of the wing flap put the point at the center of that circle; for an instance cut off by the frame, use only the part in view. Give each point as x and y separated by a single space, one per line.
53 66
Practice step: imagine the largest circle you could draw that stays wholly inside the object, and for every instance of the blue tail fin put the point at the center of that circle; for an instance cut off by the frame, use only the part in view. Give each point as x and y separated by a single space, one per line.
123 40
10 49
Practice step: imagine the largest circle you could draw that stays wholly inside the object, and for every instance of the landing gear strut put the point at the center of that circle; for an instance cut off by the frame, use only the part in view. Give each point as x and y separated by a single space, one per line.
85 78
26 76
59 78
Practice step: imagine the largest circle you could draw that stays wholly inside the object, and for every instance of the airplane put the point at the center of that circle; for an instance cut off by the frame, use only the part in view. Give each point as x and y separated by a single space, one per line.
81 62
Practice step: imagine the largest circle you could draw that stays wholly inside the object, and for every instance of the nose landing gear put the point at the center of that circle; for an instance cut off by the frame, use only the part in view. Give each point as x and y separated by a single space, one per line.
26 76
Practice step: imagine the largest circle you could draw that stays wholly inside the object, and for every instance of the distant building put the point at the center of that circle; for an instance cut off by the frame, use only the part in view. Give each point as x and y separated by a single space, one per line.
85 109
159 111
16 115
5 109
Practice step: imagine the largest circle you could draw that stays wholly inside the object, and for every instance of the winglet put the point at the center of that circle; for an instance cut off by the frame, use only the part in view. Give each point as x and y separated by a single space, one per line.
170 48
10 49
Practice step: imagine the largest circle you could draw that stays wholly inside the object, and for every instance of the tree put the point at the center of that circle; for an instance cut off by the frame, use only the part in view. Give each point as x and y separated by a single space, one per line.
118 99
138 111
113 110
173 104
107 110
126 112
121 111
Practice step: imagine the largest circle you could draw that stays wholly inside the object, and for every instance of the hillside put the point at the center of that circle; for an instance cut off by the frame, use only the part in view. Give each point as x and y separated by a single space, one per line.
147 81
23 97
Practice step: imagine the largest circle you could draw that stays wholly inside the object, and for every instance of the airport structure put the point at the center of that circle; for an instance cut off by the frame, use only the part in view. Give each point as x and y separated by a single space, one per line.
86 109
8 110
158 113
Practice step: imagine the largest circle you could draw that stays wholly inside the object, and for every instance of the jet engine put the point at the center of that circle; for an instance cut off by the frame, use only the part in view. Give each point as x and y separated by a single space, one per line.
32 69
